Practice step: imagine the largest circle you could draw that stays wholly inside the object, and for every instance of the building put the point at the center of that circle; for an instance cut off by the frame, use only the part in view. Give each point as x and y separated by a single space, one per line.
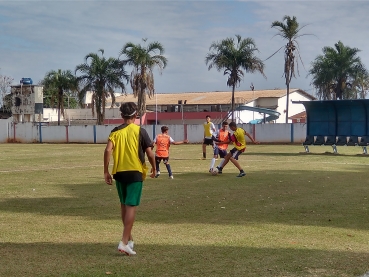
27 103
299 118
192 107
169 108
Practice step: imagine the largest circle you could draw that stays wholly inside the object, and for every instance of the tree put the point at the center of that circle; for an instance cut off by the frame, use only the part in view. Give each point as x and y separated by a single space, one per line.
70 98
101 76
289 31
5 83
339 73
360 85
143 59
56 83
6 109
234 57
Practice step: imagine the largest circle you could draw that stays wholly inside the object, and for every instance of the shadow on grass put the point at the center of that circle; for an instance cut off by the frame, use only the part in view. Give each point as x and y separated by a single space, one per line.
74 259
292 197
303 153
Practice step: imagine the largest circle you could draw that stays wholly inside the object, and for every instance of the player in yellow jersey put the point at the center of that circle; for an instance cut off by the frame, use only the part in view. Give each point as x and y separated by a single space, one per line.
209 129
128 144
239 142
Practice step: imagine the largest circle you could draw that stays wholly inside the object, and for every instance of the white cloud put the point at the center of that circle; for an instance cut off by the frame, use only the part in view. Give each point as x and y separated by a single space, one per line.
38 36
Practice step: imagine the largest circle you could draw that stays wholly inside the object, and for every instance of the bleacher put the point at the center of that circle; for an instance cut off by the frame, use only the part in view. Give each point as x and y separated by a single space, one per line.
336 141
337 123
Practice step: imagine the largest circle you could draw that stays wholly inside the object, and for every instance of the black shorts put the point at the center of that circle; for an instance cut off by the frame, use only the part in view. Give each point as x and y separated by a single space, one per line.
164 159
208 141
221 152
235 152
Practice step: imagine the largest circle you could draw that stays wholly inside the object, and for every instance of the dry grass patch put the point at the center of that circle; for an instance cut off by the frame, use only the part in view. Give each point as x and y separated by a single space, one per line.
292 215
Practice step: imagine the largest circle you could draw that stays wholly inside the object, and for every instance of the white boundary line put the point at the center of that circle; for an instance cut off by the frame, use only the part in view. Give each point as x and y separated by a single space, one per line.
47 168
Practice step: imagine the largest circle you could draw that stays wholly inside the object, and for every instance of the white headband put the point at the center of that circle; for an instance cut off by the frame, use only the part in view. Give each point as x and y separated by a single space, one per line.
131 114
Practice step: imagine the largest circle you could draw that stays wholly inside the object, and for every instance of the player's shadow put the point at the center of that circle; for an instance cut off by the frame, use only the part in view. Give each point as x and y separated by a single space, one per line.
93 200
292 197
318 198
101 259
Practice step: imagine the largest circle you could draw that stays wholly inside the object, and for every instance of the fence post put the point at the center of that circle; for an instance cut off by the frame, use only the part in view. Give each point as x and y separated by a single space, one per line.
67 133
94 133
292 138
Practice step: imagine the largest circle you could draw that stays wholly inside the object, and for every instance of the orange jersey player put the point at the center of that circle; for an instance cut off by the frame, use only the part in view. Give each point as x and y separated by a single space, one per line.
221 140
163 142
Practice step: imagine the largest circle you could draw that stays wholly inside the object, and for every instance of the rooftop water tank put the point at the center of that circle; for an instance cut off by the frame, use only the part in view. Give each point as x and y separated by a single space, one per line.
26 81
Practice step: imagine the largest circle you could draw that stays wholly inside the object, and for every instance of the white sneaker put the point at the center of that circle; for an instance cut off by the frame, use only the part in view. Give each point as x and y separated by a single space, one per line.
125 249
171 177
157 174
131 244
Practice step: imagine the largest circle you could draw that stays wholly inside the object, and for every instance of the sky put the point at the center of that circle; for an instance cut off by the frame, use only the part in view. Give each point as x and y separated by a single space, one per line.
39 36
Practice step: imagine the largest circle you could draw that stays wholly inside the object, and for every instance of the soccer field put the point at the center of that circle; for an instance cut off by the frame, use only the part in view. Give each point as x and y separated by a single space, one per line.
293 214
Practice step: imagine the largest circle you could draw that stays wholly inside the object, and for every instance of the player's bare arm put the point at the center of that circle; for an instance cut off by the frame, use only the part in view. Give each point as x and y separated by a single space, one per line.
107 154
151 157
180 142
251 138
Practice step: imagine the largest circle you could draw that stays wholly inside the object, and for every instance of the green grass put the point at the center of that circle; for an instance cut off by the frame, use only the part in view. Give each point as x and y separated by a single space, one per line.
294 214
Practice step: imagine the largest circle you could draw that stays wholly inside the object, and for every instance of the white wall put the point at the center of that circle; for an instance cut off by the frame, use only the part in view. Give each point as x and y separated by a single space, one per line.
29 132
53 134
299 132
25 132
278 132
292 108
80 134
102 133
5 129
50 114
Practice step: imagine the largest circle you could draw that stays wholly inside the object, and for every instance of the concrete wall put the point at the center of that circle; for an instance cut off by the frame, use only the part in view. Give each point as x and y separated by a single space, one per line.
53 134
29 132
25 132
5 129
292 108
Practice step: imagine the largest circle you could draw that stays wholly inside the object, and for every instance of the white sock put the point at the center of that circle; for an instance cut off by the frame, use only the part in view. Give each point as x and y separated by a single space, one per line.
221 163
212 162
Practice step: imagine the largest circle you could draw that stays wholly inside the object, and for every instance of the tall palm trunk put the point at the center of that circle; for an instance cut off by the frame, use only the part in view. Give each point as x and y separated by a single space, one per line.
140 103
59 112
60 94
233 88
288 100
98 110
288 74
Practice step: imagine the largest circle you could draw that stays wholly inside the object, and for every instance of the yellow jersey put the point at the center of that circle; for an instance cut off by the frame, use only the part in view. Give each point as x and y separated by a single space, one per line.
209 129
127 154
240 142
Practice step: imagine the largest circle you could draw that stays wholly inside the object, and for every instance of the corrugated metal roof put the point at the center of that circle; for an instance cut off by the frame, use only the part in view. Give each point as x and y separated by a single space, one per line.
298 115
211 98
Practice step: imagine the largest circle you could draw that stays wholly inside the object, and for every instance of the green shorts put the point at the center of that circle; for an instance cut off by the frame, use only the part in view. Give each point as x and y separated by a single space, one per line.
129 193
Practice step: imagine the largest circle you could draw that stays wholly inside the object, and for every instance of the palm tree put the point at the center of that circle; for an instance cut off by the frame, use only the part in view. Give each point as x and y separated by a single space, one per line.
234 57
322 78
101 76
360 85
339 72
143 59
290 32
56 83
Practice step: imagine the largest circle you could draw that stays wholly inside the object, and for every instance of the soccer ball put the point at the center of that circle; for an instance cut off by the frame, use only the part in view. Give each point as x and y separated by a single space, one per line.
214 171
